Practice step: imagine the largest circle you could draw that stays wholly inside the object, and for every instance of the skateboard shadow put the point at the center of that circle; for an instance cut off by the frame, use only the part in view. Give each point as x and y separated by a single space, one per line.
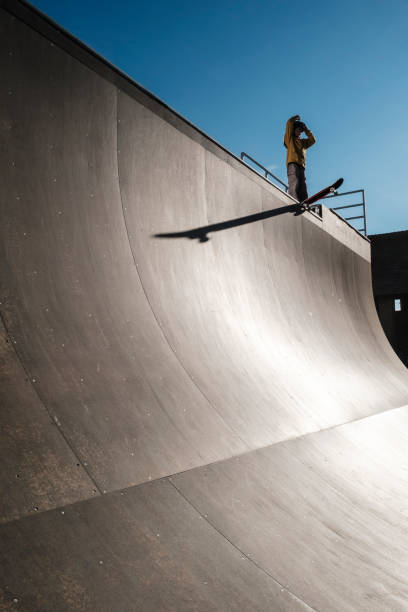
201 233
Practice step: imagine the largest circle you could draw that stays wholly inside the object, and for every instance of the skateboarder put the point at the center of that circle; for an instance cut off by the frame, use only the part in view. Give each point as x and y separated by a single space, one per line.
295 157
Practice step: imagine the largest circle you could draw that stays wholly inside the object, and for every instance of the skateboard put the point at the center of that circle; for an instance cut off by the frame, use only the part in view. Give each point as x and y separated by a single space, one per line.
306 204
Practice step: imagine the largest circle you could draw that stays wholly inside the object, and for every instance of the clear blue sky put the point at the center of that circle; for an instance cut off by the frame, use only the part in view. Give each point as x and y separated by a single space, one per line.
239 68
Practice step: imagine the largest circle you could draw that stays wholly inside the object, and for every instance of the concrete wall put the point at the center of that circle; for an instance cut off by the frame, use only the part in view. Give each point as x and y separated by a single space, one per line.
390 283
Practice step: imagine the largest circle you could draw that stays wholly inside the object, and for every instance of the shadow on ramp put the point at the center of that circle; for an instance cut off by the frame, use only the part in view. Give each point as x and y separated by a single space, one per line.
201 233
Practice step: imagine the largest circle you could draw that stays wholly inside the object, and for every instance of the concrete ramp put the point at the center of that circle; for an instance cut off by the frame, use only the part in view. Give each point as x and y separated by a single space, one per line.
200 410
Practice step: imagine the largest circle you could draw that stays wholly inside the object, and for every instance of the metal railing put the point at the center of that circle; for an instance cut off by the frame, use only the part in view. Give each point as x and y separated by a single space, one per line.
360 204
267 173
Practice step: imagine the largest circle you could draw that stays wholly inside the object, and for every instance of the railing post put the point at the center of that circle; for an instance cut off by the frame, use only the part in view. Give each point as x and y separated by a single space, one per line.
365 218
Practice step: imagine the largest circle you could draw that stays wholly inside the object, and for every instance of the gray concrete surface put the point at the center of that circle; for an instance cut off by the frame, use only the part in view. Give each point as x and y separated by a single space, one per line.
232 406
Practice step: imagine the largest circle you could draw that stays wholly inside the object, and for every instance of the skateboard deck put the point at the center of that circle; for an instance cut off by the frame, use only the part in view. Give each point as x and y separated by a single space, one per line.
321 194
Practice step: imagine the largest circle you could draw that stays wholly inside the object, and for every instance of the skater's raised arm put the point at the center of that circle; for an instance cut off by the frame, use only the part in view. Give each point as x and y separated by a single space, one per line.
310 140
289 129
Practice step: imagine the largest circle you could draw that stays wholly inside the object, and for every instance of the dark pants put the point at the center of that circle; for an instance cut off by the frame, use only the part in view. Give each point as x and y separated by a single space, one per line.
297 182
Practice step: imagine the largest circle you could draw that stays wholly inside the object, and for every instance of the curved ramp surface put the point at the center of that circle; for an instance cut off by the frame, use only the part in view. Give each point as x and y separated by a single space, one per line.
180 344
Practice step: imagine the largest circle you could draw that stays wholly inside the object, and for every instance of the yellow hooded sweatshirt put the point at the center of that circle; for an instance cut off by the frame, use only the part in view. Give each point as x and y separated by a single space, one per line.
296 146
